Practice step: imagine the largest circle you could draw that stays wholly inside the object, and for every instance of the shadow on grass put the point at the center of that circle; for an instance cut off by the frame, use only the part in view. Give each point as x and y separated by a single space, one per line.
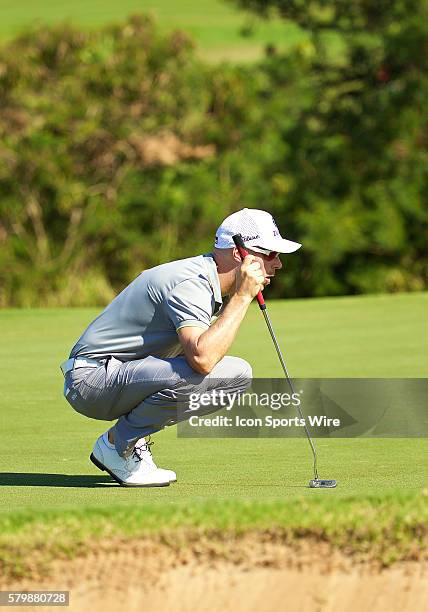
28 479
247 485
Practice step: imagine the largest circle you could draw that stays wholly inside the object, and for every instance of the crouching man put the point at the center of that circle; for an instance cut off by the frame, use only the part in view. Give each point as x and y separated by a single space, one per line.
156 344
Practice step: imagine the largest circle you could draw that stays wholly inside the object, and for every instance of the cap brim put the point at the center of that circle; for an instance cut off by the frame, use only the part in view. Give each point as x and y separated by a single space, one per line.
281 245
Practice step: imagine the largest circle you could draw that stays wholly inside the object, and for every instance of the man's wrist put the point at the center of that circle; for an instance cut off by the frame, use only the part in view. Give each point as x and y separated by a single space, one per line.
242 299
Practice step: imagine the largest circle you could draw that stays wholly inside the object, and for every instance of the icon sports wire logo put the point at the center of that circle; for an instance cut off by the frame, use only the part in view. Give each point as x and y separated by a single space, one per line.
337 408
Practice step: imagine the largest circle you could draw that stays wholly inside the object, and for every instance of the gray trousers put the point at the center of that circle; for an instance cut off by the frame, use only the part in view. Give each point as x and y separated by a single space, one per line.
147 394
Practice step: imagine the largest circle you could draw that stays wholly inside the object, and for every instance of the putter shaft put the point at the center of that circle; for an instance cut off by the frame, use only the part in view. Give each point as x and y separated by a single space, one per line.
284 367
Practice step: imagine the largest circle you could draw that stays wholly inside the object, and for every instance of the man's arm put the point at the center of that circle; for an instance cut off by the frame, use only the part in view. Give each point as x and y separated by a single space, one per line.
204 349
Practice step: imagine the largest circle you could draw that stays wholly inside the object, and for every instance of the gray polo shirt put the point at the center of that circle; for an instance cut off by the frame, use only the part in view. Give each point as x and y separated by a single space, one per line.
145 317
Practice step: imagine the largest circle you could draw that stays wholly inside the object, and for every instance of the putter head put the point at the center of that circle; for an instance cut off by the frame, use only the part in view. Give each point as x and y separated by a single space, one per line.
319 483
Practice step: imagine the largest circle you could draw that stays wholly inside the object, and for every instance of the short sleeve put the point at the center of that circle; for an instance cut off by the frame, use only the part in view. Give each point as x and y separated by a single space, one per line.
190 303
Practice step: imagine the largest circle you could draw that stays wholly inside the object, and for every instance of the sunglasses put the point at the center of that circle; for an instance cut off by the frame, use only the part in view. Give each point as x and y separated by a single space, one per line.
268 254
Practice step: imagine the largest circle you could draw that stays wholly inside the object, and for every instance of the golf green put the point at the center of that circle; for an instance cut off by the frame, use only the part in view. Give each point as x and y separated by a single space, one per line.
45 444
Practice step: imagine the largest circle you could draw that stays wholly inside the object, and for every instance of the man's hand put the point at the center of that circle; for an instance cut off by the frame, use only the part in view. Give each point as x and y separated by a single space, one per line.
249 278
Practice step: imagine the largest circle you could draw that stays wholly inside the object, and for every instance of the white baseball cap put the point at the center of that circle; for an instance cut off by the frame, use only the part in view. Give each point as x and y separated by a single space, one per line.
258 230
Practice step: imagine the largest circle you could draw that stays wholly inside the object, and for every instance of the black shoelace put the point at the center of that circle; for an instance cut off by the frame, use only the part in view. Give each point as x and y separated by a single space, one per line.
137 452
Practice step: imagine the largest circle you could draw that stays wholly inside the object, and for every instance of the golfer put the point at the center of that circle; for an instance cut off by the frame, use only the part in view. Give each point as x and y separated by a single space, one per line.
164 338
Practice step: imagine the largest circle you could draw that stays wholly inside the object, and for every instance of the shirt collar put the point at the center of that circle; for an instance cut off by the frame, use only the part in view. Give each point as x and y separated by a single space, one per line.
211 268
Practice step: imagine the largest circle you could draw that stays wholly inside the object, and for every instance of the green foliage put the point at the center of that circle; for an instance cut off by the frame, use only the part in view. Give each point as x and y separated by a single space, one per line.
351 169
120 150
109 157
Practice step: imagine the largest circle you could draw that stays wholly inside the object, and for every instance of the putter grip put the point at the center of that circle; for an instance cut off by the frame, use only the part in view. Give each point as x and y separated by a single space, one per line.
237 239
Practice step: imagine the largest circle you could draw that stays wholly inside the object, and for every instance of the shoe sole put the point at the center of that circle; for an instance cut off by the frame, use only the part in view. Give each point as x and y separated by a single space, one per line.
122 483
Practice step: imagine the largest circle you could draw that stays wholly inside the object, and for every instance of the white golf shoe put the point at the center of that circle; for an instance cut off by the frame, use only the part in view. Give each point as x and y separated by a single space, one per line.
136 470
142 447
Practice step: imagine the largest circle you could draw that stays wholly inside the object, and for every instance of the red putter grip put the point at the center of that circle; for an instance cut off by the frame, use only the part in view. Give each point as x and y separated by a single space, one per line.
237 239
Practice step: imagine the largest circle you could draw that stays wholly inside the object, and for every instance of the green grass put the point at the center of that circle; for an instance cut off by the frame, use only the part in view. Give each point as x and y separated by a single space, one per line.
44 450
215 25
379 528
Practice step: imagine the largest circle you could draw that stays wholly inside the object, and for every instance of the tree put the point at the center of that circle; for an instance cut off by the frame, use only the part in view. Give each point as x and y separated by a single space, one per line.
349 103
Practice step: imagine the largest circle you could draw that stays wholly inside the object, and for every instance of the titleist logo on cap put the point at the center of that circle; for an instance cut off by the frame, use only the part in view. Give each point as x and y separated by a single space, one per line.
247 238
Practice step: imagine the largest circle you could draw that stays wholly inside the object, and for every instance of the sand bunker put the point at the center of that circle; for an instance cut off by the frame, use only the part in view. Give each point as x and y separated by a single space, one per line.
246 574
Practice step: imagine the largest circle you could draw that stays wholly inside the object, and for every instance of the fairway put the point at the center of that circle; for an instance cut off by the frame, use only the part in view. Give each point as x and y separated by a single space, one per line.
215 25
45 444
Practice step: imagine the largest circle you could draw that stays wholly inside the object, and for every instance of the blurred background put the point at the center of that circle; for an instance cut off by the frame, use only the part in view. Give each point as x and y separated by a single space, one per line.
129 130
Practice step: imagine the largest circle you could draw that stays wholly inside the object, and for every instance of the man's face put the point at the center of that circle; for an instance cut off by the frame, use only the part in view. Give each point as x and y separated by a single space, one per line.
269 266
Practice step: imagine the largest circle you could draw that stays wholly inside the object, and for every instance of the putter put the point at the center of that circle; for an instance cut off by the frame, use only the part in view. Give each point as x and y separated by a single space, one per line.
316 483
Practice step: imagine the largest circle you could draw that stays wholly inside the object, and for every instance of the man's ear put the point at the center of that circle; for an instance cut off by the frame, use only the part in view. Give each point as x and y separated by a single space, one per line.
235 254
